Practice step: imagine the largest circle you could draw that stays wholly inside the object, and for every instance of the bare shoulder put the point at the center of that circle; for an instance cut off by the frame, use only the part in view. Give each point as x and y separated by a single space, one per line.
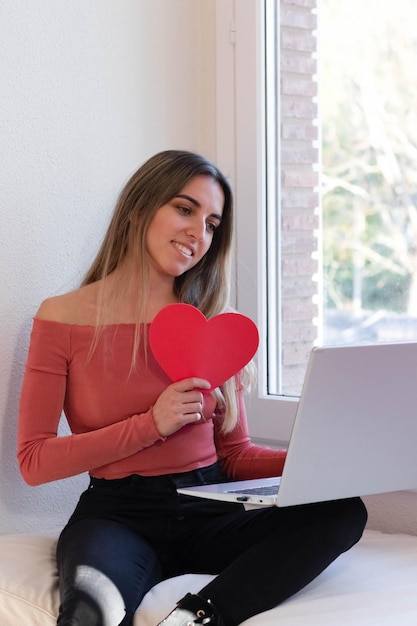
68 308
56 309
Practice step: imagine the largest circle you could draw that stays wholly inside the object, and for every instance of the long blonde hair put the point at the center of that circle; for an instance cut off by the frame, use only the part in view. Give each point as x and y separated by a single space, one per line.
206 285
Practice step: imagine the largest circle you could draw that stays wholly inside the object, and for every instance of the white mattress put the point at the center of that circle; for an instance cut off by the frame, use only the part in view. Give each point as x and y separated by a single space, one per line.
374 583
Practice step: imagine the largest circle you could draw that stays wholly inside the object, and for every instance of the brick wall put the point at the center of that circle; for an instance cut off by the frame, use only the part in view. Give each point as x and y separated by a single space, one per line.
299 187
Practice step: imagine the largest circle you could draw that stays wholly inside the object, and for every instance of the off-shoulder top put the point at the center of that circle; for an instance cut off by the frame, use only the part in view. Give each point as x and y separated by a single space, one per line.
108 407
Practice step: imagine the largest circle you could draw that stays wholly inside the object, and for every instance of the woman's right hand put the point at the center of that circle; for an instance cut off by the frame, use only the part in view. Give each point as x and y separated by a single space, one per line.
181 403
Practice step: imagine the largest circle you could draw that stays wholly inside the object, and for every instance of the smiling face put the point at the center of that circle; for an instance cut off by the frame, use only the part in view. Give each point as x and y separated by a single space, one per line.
182 230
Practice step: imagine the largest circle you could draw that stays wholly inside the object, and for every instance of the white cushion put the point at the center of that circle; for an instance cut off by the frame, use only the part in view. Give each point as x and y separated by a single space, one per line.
374 584
28 581
29 594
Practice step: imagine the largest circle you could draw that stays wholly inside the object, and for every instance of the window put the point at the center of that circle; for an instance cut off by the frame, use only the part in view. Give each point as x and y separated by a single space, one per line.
368 89
241 145
315 266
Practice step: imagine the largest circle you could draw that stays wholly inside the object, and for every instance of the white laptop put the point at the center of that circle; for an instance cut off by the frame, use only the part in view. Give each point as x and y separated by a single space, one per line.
355 431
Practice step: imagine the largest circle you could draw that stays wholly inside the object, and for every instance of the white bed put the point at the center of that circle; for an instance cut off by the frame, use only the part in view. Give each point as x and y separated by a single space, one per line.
375 584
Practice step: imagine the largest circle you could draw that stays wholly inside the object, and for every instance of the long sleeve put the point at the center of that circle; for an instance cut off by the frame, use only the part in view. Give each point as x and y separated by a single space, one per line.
43 455
107 406
240 458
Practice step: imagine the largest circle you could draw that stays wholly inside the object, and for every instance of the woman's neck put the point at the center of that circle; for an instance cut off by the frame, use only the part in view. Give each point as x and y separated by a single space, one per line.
121 299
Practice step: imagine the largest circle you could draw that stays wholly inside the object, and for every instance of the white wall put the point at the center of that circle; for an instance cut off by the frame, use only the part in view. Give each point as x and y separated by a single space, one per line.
89 90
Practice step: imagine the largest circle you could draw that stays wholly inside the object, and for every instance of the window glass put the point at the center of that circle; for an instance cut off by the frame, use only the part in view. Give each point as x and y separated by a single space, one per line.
368 94
341 179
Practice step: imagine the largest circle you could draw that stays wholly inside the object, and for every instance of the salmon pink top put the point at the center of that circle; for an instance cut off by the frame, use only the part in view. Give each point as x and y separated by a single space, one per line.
108 407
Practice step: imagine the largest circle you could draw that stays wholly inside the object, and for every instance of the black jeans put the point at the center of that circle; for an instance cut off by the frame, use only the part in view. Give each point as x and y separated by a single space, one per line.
127 535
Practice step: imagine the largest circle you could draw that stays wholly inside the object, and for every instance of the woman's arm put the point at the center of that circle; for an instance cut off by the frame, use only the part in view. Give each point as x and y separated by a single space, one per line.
43 455
108 410
240 458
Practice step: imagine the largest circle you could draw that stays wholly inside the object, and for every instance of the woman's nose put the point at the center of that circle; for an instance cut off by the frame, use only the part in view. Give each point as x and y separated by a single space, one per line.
197 230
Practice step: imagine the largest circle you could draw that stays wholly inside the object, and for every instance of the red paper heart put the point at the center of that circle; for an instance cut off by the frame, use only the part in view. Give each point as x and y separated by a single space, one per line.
186 344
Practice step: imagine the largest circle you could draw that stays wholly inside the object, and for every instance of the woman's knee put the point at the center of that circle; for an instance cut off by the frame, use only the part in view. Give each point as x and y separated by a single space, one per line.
105 569
347 520
358 515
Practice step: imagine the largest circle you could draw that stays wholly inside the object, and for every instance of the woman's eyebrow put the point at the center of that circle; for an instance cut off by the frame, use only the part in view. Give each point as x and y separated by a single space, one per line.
197 204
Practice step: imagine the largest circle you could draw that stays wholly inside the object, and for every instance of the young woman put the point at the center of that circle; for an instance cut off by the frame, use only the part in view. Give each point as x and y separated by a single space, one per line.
140 436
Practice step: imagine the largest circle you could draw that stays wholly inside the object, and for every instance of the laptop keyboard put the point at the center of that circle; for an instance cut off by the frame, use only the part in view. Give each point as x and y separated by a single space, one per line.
268 490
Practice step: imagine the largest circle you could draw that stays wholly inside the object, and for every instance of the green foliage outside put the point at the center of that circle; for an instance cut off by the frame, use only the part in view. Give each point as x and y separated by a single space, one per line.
368 82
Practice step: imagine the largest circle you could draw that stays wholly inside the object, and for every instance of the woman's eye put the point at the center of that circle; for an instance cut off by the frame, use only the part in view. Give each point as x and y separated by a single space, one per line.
185 210
211 227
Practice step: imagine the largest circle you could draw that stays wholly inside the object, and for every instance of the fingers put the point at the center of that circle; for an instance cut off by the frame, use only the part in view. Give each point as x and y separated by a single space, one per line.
194 410
192 383
193 398
180 404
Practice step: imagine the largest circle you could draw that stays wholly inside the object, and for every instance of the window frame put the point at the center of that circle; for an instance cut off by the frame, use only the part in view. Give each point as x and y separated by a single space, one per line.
241 154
